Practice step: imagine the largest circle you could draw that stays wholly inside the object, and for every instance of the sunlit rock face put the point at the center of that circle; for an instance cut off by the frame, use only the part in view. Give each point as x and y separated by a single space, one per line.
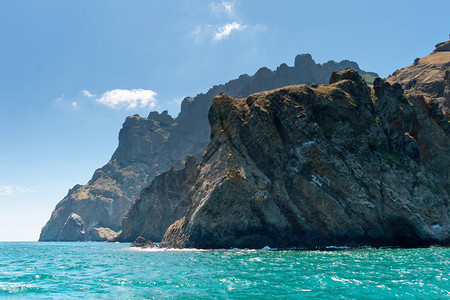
312 166
428 76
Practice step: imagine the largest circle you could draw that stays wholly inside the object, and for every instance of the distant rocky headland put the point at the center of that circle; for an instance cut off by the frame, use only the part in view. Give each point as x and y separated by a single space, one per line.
264 161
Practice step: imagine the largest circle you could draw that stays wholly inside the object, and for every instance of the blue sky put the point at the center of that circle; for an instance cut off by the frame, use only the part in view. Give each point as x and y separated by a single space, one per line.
71 71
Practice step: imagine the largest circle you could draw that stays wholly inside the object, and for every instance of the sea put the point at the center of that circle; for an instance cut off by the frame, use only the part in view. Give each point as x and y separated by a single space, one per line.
95 270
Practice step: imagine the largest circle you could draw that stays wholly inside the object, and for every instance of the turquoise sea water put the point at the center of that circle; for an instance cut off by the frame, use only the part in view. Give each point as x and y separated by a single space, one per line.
113 271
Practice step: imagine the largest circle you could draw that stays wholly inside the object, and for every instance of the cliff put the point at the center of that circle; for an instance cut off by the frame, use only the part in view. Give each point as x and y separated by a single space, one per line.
311 166
149 218
428 76
94 211
149 146
159 205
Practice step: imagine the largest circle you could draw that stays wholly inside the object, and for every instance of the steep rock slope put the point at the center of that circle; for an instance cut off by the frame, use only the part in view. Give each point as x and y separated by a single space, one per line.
94 211
159 205
429 76
148 146
311 166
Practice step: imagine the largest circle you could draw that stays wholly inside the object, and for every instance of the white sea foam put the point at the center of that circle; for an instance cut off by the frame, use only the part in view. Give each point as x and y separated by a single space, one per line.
266 248
165 249
338 247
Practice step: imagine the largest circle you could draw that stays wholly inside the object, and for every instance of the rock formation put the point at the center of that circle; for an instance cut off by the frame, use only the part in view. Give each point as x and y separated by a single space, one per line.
159 205
99 206
313 166
153 212
141 242
192 133
149 146
428 76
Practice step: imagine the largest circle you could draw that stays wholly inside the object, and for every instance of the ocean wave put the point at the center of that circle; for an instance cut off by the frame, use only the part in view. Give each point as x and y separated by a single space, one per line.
16 288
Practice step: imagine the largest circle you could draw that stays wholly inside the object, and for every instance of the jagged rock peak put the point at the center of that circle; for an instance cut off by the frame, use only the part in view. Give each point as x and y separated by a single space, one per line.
347 74
380 86
303 61
163 118
263 72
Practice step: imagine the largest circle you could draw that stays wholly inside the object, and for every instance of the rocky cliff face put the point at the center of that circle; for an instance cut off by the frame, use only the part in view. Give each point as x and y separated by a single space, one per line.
94 211
428 76
148 146
310 166
150 217
193 131
159 205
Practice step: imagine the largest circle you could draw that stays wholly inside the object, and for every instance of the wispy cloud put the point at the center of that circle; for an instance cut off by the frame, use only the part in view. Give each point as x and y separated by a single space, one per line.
201 33
88 94
224 31
8 190
75 105
177 101
223 7
128 99
59 99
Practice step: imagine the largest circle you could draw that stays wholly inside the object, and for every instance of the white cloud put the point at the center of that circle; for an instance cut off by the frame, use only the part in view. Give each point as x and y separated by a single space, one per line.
75 105
203 33
224 6
128 99
8 190
225 31
87 94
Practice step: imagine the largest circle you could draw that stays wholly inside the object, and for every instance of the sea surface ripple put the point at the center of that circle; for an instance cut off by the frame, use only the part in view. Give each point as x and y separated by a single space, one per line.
31 270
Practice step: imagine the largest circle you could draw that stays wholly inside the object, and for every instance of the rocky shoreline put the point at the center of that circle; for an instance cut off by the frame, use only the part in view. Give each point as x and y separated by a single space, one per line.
142 243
